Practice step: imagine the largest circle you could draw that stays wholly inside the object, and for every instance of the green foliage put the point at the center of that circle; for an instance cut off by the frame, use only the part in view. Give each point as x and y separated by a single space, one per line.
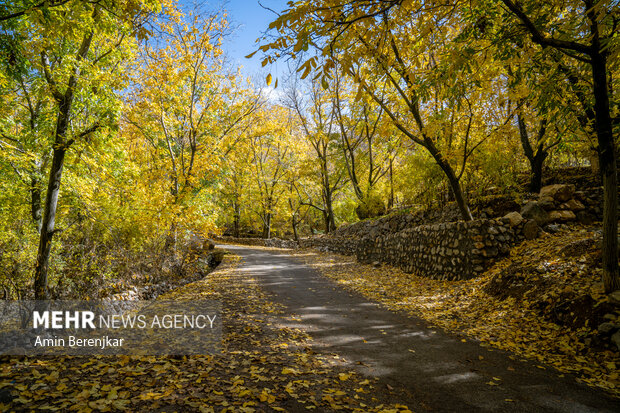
166 143
371 207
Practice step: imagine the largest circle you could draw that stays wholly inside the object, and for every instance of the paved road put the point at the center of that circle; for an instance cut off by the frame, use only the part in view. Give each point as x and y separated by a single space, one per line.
422 367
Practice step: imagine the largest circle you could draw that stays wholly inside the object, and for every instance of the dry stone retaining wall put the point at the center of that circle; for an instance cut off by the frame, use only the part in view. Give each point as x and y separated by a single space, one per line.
244 241
451 250
448 251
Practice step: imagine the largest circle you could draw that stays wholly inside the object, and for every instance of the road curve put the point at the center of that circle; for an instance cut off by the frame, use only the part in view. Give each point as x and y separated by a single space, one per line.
418 366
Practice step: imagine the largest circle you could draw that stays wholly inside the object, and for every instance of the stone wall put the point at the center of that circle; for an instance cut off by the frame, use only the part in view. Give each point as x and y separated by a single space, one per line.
281 243
451 250
243 241
448 251
485 207
561 203
260 242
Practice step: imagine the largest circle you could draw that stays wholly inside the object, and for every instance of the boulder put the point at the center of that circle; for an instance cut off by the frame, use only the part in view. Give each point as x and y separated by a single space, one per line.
562 216
573 205
530 230
614 297
547 203
515 218
559 192
532 210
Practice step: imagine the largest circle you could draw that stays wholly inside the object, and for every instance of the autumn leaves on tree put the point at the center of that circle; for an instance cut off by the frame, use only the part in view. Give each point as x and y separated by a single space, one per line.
438 69
123 126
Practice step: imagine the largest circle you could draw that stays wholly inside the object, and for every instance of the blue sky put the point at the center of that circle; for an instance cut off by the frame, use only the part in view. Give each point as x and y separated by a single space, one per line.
252 20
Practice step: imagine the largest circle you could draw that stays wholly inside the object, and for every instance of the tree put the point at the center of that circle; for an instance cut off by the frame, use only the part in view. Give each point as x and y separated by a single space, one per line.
235 184
78 48
271 151
408 58
593 49
317 120
188 111
362 131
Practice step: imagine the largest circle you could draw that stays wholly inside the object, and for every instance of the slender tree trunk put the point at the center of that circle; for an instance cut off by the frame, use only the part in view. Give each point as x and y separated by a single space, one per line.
536 159
35 202
459 198
236 226
455 185
391 200
294 225
51 198
330 222
236 218
65 103
49 220
608 168
267 226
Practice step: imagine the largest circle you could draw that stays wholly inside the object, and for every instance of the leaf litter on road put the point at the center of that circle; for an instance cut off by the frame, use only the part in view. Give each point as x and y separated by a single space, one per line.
262 368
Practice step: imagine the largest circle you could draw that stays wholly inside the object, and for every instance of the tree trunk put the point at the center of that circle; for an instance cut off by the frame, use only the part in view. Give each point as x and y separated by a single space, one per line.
330 222
536 159
536 164
294 225
35 202
236 226
47 228
65 103
236 219
326 219
455 185
608 168
391 200
332 219
267 226
459 198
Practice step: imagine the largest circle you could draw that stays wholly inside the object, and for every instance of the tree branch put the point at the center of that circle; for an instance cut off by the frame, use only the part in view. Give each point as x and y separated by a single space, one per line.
541 38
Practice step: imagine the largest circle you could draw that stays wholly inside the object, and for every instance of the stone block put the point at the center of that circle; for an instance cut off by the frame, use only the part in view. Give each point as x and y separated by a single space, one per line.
530 230
534 212
562 216
547 203
558 192
573 205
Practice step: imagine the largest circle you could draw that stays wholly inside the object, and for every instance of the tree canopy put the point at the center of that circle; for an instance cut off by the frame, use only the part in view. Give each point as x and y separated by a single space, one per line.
123 127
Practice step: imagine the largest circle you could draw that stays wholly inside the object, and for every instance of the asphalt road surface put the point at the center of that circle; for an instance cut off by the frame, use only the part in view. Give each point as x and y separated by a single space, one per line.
421 367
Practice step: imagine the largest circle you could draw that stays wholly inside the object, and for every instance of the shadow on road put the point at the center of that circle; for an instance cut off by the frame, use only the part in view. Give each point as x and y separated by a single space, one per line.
419 366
